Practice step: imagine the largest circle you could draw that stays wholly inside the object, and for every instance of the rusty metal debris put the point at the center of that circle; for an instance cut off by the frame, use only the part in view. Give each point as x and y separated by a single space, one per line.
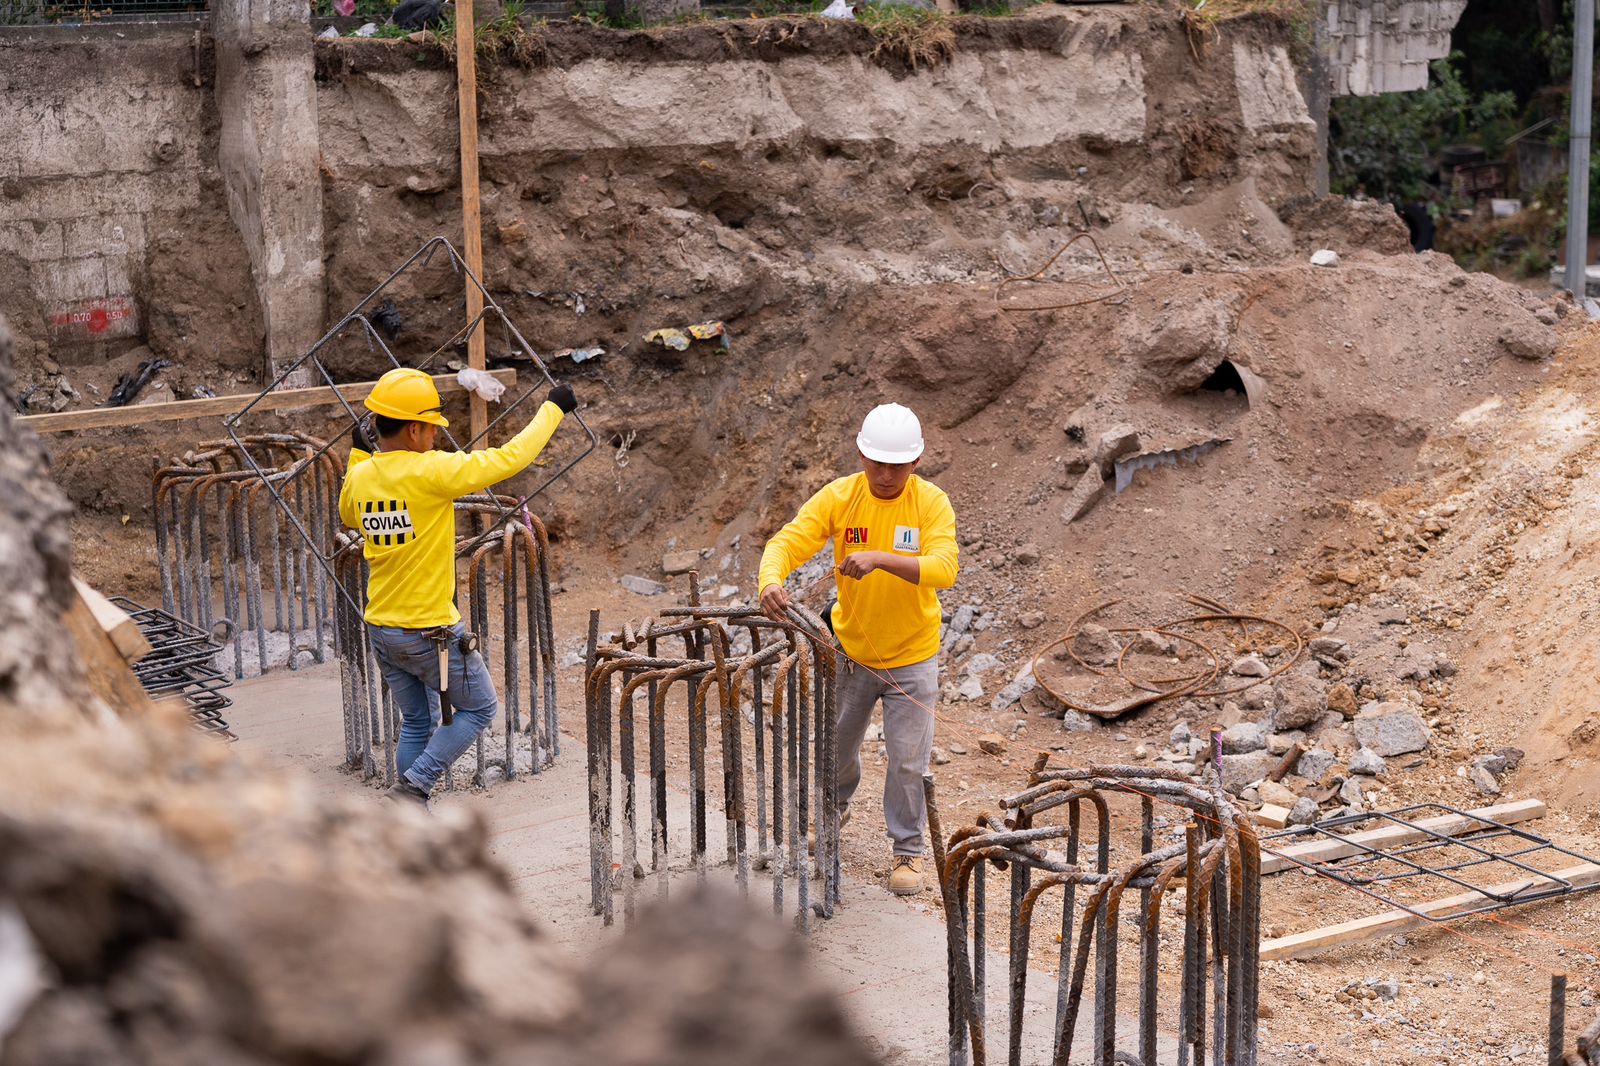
1218 860
225 548
1117 288
1202 681
779 747
507 579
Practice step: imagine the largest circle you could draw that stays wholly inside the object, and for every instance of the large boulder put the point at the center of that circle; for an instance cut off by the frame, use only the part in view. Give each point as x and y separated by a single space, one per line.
1301 699
1391 729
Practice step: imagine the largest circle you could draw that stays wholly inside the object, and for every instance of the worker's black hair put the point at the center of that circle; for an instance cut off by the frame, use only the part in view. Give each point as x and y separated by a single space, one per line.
390 427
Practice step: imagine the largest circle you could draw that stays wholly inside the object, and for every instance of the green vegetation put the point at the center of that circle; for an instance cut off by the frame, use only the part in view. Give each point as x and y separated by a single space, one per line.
1385 145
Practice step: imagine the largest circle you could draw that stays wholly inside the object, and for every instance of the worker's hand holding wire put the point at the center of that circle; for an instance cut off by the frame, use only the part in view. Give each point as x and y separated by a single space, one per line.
361 438
775 600
859 564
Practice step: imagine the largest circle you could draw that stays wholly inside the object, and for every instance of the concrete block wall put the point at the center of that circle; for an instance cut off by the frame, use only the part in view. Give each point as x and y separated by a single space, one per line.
78 247
1385 46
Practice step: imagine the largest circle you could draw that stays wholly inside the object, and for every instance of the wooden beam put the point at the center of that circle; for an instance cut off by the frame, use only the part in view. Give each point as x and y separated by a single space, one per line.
1326 849
222 406
471 206
1298 945
115 622
98 660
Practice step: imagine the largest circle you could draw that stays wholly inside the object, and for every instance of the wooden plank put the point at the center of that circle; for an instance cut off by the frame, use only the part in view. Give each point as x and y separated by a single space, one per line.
1389 836
222 406
471 206
1298 945
1273 816
101 664
124 632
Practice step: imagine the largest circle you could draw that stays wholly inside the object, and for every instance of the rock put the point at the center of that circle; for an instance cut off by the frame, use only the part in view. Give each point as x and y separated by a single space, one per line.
1230 715
1512 756
1077 722
1243 738
980 663
1386 988
1325 257
1025 554
1342 698
1366 761
1314 764
573 658
1282 795
1547 315
1180 736
1394 615
680 562
1118 442
1250 666
1246 769
992 744
1280 743
1350 794
1256 698
1020 686
1391 729
1301 700
1304 812
961 621
957 748
1141 753
938 756
1528 338
1151 643
1096 646
1483 780
1030 619
1495 764
971 688
1331 647
1084 494
642 586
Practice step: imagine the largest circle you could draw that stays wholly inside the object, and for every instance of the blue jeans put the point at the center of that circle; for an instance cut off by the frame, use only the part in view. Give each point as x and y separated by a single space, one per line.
410 664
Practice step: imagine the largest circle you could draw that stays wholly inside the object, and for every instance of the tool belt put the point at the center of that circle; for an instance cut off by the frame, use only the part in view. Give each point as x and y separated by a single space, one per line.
466 643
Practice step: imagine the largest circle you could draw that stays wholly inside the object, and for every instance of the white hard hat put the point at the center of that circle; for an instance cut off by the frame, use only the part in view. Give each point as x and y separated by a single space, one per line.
890 434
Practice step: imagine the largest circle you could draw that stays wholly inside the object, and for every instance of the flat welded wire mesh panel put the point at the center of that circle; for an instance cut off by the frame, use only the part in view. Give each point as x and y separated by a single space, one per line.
1505 864
398 325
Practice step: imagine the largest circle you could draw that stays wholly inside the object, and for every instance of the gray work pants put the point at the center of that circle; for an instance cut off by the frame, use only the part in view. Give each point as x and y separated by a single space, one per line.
909 694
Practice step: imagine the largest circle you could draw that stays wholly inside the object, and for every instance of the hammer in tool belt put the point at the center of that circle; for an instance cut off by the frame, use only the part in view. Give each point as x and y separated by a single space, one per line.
441 637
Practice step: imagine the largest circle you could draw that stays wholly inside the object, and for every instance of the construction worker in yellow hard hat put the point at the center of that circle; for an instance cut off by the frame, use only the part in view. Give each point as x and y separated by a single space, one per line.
894 547
401 496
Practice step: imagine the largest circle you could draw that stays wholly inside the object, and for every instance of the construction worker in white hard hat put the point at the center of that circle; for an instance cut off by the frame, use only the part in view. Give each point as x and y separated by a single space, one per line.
401 497
894 546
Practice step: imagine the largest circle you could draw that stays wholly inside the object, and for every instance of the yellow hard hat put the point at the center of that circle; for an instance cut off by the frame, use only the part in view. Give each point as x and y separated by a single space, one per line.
408 395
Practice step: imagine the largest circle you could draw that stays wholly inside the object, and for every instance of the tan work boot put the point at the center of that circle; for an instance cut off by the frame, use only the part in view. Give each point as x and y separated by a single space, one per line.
906 877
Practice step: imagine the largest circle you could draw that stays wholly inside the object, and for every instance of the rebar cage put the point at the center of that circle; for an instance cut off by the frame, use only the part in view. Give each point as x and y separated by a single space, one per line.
1218 861
789 668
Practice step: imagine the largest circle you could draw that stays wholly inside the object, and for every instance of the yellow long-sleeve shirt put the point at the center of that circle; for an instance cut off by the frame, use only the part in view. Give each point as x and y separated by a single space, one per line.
404 505
882 621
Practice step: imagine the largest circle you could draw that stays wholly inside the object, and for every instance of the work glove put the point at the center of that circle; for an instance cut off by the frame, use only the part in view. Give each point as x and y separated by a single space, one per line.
562 397
360 438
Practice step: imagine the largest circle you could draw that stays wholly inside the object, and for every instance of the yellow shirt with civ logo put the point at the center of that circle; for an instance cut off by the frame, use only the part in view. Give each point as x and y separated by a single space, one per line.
403 503
881 620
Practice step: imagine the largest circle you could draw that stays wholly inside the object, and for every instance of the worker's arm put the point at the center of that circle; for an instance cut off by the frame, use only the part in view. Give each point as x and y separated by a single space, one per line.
936 566
940 561
463 473
347 504
790 547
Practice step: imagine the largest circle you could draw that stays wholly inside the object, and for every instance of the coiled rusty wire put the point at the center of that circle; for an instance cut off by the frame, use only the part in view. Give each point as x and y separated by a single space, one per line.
221 542
790 767
1199 684
508 570
1219 861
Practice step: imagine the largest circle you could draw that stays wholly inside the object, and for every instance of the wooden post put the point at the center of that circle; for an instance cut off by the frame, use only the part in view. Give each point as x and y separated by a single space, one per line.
471 219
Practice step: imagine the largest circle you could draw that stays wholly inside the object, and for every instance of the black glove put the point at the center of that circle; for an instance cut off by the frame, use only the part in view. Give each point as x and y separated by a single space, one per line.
562 397
360 438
